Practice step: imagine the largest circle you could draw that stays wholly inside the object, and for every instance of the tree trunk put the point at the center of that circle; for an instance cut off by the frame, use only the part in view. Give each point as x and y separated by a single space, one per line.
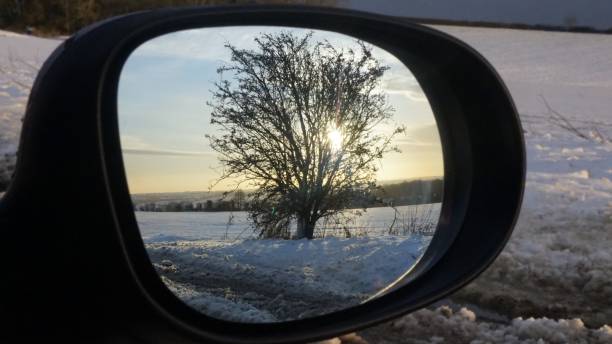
305 229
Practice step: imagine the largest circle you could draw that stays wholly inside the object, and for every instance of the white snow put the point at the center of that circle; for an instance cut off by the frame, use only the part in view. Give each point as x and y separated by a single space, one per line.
223 247
558 262
321 263
444 325
225 225
349 270
215 306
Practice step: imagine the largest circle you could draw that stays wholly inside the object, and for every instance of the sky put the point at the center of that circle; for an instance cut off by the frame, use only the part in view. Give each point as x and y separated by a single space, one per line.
163 116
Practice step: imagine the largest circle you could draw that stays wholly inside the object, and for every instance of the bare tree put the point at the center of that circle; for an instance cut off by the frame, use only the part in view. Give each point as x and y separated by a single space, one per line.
239 199
299 122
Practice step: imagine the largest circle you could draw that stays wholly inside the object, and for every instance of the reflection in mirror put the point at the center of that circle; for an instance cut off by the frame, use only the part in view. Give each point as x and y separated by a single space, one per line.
277 173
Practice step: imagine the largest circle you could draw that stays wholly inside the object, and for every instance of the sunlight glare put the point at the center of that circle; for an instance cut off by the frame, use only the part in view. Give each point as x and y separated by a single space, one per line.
335 139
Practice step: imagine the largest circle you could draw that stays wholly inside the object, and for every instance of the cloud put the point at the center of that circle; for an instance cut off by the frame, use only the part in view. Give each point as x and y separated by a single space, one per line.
165 152
137 146
414 95
207 44
134 142
402 82
423 136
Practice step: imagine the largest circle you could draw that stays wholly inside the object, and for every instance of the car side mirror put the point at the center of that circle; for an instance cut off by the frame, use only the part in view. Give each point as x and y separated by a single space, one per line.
301 109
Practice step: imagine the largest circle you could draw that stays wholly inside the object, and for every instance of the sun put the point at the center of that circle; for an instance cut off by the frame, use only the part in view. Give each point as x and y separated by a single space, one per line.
335 139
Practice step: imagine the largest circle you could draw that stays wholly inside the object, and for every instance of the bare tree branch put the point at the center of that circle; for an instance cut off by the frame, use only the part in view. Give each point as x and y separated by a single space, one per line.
299 122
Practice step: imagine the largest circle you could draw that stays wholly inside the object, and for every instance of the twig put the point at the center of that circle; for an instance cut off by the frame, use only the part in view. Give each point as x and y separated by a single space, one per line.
561 121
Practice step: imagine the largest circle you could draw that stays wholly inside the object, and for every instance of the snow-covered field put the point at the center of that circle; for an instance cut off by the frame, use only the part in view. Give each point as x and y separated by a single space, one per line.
226 225
558 264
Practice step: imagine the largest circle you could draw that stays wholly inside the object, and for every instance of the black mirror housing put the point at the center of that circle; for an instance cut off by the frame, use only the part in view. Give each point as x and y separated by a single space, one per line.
86 274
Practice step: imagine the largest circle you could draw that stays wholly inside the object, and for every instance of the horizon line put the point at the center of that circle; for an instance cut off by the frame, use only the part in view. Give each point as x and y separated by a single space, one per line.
386 181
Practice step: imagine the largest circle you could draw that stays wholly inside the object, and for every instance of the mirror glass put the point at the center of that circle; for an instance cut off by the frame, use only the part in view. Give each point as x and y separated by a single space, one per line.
277 173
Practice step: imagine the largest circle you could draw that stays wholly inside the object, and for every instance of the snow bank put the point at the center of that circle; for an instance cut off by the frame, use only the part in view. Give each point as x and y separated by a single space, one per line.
562 243
351 266
443 325
283 277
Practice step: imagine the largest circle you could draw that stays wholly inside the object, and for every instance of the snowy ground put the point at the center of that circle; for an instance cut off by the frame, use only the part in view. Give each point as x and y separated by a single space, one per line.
275 280
213 262
558 264
559 261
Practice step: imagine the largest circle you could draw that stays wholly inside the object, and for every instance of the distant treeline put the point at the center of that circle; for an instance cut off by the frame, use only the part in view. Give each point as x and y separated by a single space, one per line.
208 205
410 192
52 17
404 193
570 25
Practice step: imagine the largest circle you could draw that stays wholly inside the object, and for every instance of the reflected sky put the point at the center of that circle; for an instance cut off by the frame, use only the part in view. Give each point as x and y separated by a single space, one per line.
163 116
